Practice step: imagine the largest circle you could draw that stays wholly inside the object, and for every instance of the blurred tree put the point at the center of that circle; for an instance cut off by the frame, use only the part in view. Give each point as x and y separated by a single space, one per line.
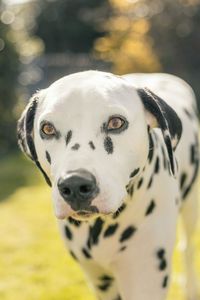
128 44
9 68
69 25
175 31
154 35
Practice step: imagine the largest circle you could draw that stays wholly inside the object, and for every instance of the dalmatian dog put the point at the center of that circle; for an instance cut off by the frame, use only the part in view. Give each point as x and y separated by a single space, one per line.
121 156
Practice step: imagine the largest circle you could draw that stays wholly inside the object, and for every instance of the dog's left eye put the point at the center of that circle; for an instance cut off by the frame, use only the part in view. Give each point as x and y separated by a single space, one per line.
115 123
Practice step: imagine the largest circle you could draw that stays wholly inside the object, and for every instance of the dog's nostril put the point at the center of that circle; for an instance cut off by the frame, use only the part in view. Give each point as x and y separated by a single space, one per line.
66 191
85 189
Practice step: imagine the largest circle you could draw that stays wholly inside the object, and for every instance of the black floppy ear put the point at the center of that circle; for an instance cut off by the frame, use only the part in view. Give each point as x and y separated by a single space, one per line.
25 134
163 116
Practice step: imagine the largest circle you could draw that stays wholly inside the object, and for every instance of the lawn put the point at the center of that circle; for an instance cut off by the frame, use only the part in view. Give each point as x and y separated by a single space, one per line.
34 262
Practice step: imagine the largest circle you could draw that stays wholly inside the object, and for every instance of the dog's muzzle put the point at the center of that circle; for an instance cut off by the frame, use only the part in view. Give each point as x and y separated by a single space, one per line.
78 188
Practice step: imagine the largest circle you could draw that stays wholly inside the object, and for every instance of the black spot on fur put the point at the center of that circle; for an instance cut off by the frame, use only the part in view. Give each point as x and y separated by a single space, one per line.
192 154
183 180
105 286
111 230
74 222
94 232
140 182
162 259
150 182
130 189
118 298
122 248
92 146
106 278
106 282
73 255
163 265
48 157
189 114
86 253
68 137
127 233
195 164
157 165
108 145
119 211
134 172
164 158
165 281
150 208
151 148
75 147
161 253
68 233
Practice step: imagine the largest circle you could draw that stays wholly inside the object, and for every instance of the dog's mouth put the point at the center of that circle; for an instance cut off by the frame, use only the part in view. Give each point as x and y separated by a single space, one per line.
84 214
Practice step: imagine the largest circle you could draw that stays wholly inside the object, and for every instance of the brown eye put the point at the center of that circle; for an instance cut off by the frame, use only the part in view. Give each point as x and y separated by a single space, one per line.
115 123
48 129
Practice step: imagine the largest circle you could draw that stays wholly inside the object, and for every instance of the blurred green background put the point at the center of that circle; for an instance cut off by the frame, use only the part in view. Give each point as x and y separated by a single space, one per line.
41 41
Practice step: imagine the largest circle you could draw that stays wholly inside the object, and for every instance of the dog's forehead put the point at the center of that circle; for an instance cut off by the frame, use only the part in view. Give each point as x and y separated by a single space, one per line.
90 89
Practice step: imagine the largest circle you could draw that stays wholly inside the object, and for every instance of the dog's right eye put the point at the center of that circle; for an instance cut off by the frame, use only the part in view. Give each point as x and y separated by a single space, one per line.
47 130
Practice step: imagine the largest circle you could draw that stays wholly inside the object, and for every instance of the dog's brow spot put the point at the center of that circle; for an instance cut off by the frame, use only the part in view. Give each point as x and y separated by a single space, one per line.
108 145
150 208
165 281
134 172
111 230
68 137
92 146
127 233
48 157
68 233
75 147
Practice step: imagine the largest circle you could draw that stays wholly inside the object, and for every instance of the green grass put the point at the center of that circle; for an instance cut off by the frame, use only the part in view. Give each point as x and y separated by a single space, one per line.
34 262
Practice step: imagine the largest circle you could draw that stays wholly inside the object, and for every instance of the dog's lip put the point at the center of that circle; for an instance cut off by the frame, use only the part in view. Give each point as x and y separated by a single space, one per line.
83 214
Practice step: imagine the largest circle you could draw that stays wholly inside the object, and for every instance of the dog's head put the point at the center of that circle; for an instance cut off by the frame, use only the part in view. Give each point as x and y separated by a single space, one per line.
87 132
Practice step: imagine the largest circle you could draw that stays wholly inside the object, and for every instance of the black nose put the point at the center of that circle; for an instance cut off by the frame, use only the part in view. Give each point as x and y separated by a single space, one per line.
78 188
